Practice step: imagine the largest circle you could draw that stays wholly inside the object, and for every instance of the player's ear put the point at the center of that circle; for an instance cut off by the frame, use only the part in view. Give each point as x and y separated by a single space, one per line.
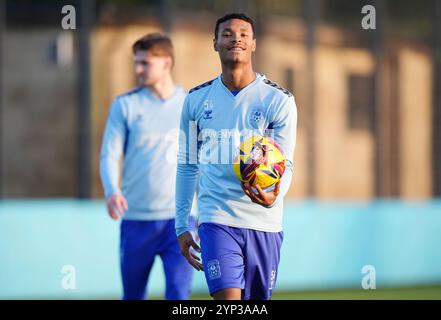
215 45
253 46
168 65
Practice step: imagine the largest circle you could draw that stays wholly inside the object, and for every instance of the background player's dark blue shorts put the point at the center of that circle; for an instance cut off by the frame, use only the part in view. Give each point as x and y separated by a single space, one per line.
140 242
240 258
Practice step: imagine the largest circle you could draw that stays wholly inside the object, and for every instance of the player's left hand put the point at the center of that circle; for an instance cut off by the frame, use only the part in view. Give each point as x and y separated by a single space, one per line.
263 198
187 245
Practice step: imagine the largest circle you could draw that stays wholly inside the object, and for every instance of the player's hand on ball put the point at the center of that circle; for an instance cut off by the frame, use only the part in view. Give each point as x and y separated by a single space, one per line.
186 244
116 206
263 198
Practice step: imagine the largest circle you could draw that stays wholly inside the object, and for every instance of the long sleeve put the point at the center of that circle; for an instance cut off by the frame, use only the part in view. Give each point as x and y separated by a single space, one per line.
112 149
187 169
284 131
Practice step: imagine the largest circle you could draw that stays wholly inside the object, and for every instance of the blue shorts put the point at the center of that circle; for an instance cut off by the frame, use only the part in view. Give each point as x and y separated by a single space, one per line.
140 242
240 258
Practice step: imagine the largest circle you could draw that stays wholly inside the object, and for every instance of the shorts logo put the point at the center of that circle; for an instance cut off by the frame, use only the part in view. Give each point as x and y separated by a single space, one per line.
272 279
213 269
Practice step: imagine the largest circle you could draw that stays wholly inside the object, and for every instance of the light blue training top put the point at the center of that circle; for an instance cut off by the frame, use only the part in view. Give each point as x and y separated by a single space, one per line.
214 121
143 129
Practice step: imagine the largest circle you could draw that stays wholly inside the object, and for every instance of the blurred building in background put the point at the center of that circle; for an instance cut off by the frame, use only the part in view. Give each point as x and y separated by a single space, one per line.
369 128
368 100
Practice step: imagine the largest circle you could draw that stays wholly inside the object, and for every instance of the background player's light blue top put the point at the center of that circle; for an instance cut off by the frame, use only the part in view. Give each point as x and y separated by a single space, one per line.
218 120
144 129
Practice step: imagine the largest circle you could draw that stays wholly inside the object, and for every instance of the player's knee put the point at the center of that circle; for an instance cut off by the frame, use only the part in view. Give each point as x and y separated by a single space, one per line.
227 294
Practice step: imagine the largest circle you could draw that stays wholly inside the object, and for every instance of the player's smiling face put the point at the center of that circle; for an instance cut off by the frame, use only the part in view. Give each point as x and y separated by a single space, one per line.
151 69
235 41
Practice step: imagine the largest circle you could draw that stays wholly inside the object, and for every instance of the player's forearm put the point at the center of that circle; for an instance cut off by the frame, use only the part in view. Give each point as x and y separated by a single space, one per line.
186 182
109 173
285 181
112 149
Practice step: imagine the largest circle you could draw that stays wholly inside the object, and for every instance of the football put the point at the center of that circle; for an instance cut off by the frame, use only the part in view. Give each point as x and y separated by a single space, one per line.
260 162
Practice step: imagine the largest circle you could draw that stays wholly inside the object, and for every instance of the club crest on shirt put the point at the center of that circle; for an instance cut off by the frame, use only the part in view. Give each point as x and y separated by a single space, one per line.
256 115
208 109
213 269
